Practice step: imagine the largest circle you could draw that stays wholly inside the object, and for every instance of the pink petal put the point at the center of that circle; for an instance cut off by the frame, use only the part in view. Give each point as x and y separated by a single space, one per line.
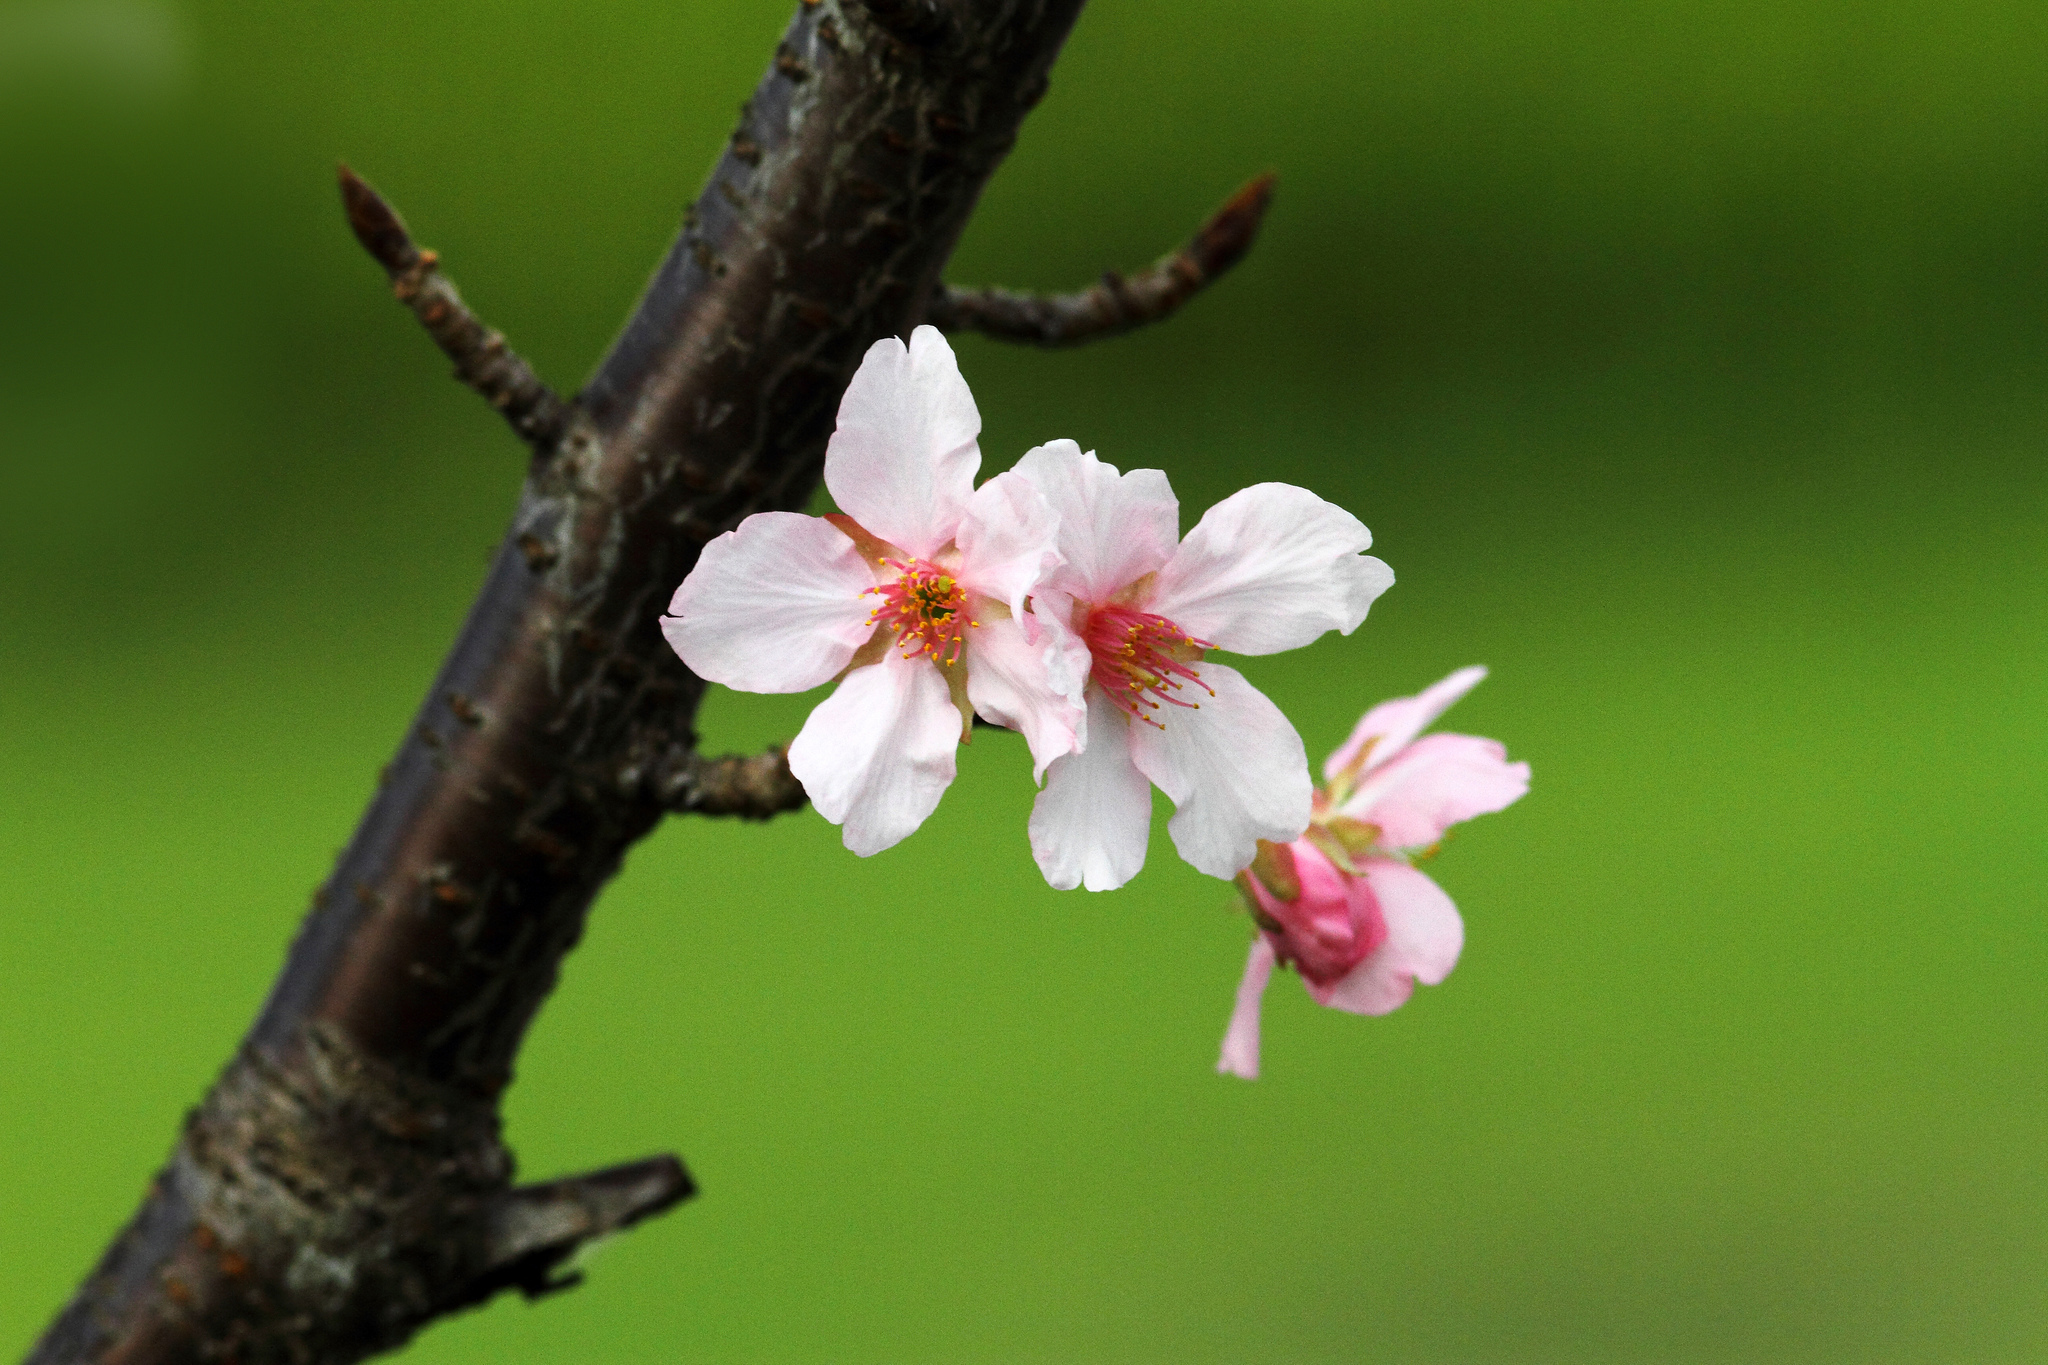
1235 770
902 460
1008 537
877 754
1424 938
1392 724
1114 529
1241 1040
774 606
1433 784
1010 683
1090 824
1271 568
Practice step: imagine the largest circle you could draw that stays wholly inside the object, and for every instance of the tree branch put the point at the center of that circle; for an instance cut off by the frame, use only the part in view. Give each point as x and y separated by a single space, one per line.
482 360
345 1183
1116 303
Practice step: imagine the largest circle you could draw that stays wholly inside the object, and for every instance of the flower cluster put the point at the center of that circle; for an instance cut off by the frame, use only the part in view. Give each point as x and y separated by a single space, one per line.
1057 599
1344 904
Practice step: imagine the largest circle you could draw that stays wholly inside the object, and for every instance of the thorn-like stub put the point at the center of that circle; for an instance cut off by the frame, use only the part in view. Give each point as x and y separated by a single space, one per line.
534 1228
377 225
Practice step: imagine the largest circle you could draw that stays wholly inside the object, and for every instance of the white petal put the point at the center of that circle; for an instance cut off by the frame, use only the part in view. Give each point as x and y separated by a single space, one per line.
877 754
1270 568
1235 770
1424 938
1434 783
1010 683
902 460
1067 659
1391 725
1241 1040
1007 539
774 606
1114 528
1090 824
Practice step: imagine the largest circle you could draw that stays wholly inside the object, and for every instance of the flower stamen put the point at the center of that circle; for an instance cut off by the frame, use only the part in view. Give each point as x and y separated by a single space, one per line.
926 609
1141 660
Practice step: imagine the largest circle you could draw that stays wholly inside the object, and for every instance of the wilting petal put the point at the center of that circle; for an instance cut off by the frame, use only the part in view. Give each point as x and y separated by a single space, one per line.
774 606
1270 568
1009 682
1241 1040
1424 937
877 754
1390 726
1090 824
902 460
1114 528
1235 770
1007 540
1433 784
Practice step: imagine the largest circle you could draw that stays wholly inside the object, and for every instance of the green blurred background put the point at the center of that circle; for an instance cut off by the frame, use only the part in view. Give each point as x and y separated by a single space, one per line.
1690 364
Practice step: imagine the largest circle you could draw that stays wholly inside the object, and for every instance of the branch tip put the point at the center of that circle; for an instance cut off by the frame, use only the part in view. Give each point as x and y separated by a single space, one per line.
1116 303
376 224
1222 242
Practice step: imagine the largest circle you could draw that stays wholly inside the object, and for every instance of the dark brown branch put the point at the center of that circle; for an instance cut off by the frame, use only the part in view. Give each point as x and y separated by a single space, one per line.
345 1182
482 359
1115 303
751 786
348 1193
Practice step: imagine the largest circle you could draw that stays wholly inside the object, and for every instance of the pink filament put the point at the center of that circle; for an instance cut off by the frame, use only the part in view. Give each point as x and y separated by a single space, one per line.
1141 660
926 609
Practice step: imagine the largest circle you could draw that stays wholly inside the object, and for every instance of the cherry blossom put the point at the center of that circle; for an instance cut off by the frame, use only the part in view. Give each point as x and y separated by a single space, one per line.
1344 905
915 592
1129 616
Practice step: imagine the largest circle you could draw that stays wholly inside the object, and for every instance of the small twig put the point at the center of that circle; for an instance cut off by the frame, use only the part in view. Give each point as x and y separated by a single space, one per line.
482 359
534 1228
1116 303
751 786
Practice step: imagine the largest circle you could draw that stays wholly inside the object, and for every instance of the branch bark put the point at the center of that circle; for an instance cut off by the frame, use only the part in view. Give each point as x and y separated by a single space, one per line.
925 23
1115 303
345 1182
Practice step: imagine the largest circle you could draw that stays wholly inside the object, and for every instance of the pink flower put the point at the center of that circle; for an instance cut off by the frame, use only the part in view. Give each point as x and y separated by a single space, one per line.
1343 905
915 593
1130 614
